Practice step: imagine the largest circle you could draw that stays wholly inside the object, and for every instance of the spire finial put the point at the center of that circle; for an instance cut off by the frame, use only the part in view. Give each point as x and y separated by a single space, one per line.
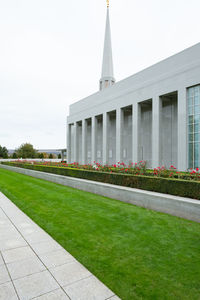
107 78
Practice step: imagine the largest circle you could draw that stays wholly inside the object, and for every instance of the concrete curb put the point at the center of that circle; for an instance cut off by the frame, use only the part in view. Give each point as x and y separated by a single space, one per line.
173 205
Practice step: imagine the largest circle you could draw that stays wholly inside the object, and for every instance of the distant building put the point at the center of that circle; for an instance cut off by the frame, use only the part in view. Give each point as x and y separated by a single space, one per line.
56 152
153 115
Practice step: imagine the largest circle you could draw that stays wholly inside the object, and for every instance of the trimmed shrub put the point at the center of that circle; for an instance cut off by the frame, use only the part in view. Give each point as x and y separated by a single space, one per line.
177 187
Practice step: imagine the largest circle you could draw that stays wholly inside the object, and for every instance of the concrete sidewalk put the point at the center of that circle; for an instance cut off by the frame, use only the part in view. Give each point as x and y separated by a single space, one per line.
34 266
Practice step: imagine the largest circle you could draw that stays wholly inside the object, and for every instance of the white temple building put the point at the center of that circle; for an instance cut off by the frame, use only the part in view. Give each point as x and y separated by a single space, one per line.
153 115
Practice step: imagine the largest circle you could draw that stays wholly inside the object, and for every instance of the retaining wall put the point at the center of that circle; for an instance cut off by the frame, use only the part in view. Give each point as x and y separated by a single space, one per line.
177 206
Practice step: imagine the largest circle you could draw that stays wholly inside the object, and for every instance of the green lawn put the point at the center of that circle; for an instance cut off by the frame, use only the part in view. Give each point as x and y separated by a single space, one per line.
138 253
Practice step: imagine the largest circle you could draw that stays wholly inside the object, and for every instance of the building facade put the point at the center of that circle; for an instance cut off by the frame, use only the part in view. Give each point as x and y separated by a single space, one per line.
153 115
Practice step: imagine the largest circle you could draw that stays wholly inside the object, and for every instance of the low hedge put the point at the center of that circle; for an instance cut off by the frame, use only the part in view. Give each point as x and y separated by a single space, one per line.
177 187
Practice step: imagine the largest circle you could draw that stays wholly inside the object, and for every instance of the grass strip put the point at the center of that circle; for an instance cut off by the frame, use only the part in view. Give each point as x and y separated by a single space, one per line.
138 253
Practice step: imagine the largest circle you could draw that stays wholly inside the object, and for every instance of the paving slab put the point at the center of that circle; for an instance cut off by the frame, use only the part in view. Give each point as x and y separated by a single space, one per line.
17 254
4 276
26 267
7 292
46 246
55 295
34 266
1 260
36 237
82 290
13 243
35 285
69 273
56 258
9 233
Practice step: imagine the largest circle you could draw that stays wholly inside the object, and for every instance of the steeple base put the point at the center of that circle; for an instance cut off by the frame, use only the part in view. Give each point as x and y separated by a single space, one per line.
106 82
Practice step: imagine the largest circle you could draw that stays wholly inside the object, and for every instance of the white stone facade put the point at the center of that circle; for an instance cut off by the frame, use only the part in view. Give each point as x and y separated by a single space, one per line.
153 115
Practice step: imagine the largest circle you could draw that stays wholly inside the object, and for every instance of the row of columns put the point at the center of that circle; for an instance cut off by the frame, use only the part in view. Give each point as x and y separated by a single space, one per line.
156 119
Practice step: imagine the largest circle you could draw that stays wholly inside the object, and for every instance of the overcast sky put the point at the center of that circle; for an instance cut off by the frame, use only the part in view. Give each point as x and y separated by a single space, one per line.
51 56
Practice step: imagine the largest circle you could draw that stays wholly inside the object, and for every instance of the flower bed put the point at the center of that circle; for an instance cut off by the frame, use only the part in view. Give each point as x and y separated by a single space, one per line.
181 184
133 169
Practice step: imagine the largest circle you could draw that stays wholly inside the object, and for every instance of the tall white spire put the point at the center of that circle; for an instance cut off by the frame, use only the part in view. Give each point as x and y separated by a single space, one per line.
107 77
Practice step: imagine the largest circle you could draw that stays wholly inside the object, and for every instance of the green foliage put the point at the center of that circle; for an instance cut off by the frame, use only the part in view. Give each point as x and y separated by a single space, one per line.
173 186
50 155
14 155
137 253
3 152
59 156
41 155
26 151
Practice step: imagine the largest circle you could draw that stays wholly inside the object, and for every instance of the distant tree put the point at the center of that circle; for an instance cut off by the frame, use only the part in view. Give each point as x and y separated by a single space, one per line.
59 156
46 155
41 155
14 155
26 151
50 155
3 152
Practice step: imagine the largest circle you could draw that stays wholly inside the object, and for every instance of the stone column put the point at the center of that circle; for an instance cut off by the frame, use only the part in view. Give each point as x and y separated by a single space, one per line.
182 130
62 155
83 141
105 142
75 141
68 143
93 139
119 119
135 133
156 117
